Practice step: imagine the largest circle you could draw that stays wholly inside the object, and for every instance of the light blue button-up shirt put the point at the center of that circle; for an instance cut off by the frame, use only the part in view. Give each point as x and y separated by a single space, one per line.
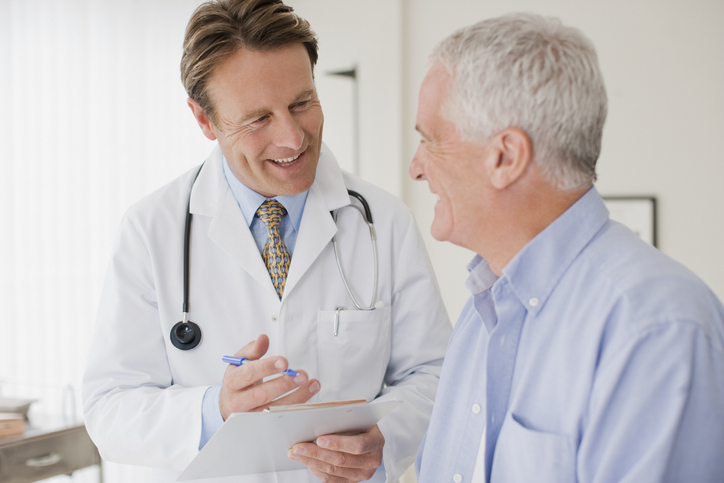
249 201
594 358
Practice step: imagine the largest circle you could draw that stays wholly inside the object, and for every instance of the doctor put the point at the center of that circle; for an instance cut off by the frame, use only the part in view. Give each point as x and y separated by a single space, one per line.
263 278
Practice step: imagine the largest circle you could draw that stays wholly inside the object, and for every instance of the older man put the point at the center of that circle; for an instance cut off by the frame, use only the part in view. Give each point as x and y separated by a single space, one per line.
269 218
583 354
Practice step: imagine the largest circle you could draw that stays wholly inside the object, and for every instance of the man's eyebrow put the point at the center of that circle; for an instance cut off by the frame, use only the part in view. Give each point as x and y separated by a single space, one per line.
303 95
257 113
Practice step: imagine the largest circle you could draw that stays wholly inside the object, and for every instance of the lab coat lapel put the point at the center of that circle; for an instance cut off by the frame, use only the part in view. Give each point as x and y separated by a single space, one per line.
229 231
317 227
316 230
213 197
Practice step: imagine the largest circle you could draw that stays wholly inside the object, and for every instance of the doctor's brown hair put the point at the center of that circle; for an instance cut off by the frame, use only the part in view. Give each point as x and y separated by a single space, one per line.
219 28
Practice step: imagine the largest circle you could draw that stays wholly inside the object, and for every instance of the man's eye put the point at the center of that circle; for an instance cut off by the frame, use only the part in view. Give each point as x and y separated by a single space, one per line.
300 103
261 119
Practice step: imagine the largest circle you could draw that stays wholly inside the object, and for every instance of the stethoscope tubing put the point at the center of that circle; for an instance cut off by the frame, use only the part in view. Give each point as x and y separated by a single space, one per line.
187 244
373 238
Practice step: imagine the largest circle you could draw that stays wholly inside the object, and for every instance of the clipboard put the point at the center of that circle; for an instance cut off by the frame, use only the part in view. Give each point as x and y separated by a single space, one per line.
254 443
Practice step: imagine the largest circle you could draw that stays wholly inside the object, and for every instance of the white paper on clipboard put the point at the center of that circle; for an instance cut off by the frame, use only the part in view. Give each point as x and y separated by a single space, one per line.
253 443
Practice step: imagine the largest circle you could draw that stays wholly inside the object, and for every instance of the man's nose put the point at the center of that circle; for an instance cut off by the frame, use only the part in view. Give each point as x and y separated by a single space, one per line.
288 133
416 166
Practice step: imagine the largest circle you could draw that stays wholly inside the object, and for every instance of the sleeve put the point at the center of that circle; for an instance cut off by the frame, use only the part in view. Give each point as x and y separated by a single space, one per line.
420 333
211 418
657 410
133 411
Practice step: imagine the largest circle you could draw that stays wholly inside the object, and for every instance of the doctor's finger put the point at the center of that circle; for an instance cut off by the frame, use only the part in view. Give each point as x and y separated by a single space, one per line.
256 397
303 394
334 465
369 441
252 372
255 349
261 396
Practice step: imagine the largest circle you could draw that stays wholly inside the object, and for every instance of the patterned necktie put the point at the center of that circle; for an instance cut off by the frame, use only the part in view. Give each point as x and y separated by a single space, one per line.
275 254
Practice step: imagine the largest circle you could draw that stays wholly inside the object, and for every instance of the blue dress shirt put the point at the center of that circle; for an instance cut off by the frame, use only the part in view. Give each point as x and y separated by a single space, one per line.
593 358
249 201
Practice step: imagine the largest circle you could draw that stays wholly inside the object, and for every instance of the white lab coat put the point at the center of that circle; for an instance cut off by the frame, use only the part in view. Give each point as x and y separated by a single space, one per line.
142 396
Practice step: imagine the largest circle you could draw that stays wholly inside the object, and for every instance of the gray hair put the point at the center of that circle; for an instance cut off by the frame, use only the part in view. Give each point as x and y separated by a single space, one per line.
533 73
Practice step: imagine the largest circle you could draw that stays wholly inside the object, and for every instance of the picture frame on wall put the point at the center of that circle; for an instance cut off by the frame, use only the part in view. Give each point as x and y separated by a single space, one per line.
636 212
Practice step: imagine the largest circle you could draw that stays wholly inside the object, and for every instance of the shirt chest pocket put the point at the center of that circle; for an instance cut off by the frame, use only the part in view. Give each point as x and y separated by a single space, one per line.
352 364
523 454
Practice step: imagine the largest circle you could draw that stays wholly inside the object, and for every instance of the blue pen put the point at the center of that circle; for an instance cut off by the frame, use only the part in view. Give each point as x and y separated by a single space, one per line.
237 361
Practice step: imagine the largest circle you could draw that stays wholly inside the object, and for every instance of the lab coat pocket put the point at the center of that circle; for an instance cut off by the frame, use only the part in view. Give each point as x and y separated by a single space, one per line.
352 364
523 454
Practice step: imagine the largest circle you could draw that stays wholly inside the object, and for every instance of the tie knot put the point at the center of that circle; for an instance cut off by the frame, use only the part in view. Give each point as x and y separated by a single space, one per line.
270 213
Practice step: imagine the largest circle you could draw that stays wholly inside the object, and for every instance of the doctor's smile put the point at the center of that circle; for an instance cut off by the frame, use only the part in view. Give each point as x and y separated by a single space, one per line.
286 161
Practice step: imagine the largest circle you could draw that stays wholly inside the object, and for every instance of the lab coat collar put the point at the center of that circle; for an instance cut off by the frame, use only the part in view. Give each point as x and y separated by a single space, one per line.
210 184
328 193
330 182
212 197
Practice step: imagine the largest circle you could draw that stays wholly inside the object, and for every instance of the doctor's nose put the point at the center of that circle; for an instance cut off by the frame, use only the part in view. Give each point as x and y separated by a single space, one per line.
288 133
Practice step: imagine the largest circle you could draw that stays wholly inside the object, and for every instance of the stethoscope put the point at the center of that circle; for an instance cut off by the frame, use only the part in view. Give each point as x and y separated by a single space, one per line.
185 335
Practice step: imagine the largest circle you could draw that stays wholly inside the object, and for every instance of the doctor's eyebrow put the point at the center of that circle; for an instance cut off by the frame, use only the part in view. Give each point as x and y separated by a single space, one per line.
257 113
307 95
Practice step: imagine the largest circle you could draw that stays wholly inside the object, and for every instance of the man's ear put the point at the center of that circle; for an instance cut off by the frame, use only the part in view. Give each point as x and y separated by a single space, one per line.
513 155
204 122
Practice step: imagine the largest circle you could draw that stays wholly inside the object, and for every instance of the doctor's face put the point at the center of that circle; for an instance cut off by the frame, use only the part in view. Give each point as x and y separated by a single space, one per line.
268 118
450 165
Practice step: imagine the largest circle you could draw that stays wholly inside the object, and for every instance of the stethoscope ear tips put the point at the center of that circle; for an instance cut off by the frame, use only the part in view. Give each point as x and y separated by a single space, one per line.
185 335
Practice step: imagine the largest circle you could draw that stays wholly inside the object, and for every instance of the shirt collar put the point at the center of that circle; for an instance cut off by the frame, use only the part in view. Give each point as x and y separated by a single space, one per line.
249 200
537 268
481 276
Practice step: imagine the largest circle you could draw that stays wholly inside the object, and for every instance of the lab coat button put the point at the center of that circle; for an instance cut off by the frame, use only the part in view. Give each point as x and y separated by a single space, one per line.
533 302
476 408
457 478
274 318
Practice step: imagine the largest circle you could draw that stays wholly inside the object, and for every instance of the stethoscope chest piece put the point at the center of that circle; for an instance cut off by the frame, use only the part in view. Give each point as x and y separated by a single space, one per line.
185 335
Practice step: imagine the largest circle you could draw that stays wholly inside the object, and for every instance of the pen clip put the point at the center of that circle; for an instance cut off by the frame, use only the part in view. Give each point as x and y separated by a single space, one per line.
336 321
237 361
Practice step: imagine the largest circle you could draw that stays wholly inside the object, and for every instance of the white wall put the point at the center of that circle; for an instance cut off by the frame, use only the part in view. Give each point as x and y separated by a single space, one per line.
367 35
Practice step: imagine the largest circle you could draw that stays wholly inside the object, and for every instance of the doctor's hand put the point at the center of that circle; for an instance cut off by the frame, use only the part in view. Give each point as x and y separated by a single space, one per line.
242 389
342 459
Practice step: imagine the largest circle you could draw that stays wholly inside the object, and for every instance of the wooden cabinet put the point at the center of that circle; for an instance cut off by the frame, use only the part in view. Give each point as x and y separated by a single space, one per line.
39 454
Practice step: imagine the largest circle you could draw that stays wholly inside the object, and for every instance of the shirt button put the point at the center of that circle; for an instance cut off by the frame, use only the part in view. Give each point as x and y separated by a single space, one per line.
274 318
457 478
476 408
533 302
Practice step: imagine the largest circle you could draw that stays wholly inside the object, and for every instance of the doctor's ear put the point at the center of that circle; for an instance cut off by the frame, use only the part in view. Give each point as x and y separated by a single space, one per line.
511 156
205 123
